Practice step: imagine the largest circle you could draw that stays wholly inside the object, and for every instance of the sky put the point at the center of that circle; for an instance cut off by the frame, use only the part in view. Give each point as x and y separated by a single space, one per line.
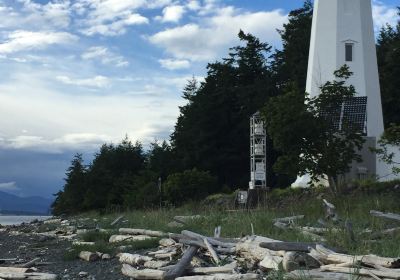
75 74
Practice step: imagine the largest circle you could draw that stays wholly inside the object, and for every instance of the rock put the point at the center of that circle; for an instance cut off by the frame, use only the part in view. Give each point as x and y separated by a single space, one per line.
105 257
397 187
83 274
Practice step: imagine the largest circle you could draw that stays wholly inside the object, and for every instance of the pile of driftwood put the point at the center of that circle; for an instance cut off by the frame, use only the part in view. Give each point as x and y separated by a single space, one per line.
190 255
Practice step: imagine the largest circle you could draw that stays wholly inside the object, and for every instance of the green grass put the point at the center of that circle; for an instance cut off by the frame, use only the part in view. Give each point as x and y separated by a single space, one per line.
96 236
141 244
354 207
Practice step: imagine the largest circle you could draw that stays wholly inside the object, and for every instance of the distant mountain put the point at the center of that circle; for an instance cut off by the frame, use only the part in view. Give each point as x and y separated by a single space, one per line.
12 204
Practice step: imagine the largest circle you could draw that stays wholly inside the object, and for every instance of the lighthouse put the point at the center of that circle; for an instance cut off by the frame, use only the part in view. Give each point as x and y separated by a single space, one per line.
343 33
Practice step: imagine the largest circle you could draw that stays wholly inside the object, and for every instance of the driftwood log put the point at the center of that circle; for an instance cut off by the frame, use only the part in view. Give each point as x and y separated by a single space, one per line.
183 263
393 274
298 260
270 262
167 242
379 214
117 220
288 219
288 246
248 276
122 238
226 269
88 256
330 209
134 273
28 276
155 264
329 257
212 251
133 231
133 259
14 270
321 275
30 263
212 241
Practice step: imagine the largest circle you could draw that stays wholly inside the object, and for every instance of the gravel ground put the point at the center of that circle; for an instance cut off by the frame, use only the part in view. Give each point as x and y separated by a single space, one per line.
26 247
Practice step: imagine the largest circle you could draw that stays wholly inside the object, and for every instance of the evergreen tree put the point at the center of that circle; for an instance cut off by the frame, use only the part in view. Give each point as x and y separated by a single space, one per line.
110 167
212 132
161 159
290 63
388 50
69 200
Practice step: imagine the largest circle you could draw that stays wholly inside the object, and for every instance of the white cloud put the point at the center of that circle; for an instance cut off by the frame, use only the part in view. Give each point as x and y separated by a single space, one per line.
109 17
172 13
54 14
217 33
105 56
116 27
193 5
383 15
174 64
60 120
21 40
97 81
153 4
56 145
9 186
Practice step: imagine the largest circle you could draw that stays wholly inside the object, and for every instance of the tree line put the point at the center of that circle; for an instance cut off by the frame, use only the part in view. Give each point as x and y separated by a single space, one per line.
208 151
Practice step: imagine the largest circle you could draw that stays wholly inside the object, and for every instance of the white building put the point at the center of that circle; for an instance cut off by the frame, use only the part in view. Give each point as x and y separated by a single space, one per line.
343 33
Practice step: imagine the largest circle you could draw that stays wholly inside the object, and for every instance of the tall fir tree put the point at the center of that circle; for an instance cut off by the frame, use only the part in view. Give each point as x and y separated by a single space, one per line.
70 199
388 50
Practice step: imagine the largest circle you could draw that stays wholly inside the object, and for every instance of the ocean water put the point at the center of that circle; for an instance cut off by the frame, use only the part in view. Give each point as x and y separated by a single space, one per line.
16 220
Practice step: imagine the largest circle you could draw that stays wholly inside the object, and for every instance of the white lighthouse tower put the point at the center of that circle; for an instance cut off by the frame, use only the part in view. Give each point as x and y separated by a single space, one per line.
343 33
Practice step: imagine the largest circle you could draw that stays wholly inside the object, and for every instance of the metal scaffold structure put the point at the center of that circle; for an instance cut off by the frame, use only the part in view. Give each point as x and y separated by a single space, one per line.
257 153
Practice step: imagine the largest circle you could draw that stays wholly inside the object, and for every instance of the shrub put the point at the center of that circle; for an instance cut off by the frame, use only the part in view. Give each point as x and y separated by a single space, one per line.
189 185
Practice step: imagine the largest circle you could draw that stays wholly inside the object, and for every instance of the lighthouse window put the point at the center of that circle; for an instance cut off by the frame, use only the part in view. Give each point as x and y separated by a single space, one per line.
349 52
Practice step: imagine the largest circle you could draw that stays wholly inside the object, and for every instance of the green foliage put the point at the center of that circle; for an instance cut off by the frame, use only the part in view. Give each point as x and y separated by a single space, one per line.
388 50
213 128
162 158
70 199
142 190
389 141
189 185
290 63
95 236
111 168
307 139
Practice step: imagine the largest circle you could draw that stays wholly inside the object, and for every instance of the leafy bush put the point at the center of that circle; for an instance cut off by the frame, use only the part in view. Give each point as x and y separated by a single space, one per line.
192 185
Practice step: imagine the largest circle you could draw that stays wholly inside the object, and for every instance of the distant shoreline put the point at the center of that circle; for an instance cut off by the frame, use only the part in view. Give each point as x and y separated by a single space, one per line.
9 220
22 213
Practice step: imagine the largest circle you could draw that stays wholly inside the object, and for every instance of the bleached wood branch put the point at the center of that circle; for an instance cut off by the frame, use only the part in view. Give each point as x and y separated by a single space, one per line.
143 274
379 214
134 231
288 219
122 238
212 251
248 276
